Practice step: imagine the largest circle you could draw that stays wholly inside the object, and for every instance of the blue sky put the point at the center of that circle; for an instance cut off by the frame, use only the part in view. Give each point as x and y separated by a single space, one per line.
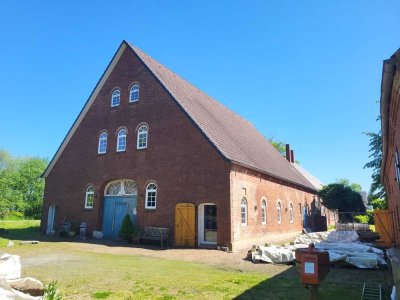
304 72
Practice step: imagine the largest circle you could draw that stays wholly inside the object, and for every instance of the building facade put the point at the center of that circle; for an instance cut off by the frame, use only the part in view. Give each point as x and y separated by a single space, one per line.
149 144
390 120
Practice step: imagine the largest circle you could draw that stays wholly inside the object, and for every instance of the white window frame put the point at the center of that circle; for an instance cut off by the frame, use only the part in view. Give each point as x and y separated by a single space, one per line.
121 135
263 211
279 212
151 188
89 193
132 91
243 212
291 213
102 139
397 166
117 95
139 137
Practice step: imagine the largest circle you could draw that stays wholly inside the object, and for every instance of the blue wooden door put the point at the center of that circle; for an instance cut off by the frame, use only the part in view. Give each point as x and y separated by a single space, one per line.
114 211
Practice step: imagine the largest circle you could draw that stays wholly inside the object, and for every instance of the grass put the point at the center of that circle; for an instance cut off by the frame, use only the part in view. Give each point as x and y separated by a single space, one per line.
85 274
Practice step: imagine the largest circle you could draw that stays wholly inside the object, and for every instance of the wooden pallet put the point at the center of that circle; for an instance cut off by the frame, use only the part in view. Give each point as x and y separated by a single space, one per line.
371 292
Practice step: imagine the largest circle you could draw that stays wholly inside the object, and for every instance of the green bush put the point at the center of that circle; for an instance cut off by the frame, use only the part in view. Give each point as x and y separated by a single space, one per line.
14 216
127 229
361 219
367 218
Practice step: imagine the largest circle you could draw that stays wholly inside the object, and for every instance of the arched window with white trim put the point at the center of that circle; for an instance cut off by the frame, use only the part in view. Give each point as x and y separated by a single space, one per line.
89 197
134 93
243 211
151 196
115 98
279 212
142 136
291 213
102 149
263 212
121 140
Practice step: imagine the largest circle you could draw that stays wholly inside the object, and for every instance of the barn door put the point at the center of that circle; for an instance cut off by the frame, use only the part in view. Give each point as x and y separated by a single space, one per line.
384 226
184 225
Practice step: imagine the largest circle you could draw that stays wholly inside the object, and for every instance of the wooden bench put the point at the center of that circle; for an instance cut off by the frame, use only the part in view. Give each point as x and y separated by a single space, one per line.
154 234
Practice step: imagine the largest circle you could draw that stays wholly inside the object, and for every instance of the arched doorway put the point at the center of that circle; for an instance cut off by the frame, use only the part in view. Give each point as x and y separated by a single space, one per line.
120 199
207 224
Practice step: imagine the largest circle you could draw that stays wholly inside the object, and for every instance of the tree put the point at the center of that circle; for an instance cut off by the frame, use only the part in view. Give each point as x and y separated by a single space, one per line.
354 186
280 146
21 188
379 203
377 190
343 198
127 229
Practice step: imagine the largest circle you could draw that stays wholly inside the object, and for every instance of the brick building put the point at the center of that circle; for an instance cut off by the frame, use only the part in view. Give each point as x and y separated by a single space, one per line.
147 143
390 121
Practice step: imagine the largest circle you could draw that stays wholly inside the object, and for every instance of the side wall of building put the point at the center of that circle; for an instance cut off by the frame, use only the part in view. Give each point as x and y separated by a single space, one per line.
256 187
184 165
392 184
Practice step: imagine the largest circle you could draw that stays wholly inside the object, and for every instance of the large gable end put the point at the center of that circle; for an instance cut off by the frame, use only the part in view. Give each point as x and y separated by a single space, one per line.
86 107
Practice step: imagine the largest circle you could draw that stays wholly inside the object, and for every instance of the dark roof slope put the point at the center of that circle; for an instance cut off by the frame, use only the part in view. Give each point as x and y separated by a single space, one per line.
237 139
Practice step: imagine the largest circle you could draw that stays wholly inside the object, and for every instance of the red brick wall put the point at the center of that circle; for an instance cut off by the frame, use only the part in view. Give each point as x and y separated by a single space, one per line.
255 186
184 165
390 182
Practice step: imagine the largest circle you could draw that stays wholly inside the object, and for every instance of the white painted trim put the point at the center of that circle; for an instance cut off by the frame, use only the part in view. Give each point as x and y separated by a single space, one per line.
86 107
291 215
122 136
152 190
263 199
86 197
131 91
246 212
147 136
279 203
50 219
200 225
100 139
119 98
122 193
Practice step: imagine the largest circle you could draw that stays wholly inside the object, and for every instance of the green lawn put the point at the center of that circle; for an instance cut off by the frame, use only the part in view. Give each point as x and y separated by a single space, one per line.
92 275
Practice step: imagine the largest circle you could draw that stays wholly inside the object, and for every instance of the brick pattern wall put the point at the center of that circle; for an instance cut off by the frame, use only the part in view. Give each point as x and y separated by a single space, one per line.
256 186
179 159
390 181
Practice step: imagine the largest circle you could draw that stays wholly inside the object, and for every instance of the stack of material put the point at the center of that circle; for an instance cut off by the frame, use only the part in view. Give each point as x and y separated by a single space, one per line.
11 284
341 245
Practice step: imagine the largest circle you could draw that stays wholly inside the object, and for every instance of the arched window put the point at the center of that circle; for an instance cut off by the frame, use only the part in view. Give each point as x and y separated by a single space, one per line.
151 196
264 211
115 98
134 93
89 197
243 211
291 213
142 137
121 140
279 212
102 143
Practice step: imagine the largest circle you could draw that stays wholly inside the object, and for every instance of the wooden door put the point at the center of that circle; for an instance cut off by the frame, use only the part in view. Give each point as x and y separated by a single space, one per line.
384 226
184 225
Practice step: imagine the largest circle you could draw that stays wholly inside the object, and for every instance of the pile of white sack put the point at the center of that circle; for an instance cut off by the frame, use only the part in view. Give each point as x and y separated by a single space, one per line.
341 245
12 286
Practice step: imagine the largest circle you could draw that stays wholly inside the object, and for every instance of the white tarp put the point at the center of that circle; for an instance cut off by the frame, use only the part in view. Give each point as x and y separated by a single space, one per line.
10 266
8 293
341 245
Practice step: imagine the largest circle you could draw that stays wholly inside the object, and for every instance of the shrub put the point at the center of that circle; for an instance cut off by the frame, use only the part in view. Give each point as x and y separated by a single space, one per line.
127 229
361 218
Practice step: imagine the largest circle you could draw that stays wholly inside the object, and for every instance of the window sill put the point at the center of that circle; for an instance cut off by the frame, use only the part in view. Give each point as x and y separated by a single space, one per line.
88 209
149 209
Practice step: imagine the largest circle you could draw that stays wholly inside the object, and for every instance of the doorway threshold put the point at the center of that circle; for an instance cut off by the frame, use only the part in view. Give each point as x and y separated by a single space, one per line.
208 246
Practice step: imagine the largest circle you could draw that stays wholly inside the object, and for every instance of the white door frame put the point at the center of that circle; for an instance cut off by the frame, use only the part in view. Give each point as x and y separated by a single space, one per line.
50 219
200 223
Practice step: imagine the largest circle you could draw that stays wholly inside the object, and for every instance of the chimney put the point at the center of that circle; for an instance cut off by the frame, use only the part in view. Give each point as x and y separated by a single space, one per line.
292 156
288 152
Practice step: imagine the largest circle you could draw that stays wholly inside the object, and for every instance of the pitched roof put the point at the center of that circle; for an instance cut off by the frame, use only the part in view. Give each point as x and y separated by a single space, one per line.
236 138
311 178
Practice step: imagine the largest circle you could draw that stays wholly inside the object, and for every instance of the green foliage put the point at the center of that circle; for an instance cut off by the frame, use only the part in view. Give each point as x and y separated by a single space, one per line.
280 146
51 292
379 203
377 189
21 188
354 186
367 218
341 197
101 294
127 229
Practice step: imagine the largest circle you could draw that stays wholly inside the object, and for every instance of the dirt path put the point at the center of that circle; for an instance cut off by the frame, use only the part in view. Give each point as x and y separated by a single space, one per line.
219 259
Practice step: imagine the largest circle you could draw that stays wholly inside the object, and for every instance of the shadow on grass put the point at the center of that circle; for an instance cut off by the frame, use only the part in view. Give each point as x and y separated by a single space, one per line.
341 283
34 233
